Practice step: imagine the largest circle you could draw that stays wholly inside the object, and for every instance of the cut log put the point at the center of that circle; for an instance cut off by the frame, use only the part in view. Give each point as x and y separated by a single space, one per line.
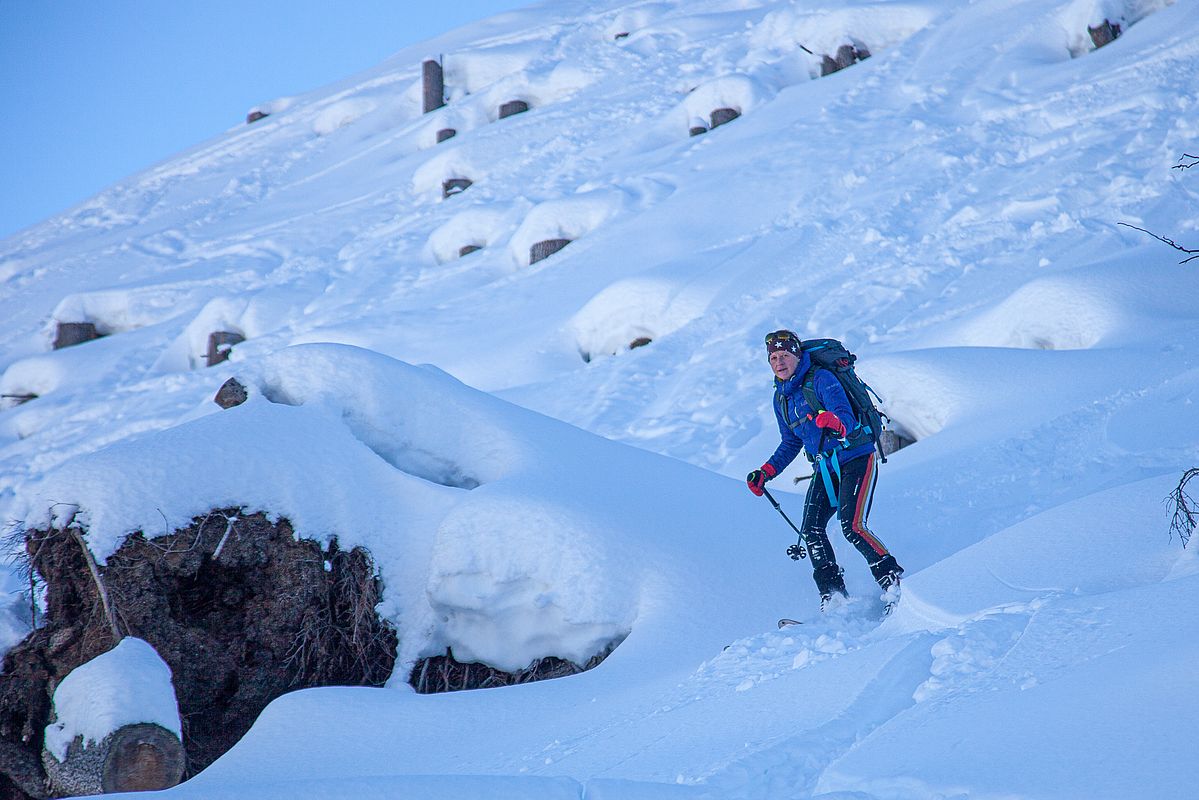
1104 34
72 333
446 133
232 393
220 345
722 115
453 186
545 249
892 441
134 758
513 107
847 54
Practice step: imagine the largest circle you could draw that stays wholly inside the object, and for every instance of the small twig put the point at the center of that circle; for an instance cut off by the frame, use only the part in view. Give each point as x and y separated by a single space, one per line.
1180 165
1171 242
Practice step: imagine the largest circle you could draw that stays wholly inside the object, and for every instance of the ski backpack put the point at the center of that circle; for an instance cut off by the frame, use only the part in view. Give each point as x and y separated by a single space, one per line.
830 354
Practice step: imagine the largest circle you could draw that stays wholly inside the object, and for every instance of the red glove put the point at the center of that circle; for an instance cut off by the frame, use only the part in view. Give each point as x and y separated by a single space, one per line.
830 422
757 479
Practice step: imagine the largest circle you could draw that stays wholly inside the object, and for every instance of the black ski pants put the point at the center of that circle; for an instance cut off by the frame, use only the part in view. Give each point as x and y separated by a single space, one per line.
854 491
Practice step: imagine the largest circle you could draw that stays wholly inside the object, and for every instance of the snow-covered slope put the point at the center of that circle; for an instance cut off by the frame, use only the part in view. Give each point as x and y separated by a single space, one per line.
948 207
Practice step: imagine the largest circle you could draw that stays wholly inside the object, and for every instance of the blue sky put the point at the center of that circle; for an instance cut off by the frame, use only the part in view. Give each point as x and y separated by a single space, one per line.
91 91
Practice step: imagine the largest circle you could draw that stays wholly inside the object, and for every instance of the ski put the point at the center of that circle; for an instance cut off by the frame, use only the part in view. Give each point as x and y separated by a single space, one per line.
787 623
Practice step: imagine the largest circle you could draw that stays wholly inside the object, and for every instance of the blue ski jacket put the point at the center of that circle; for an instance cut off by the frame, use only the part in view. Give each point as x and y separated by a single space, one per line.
796 418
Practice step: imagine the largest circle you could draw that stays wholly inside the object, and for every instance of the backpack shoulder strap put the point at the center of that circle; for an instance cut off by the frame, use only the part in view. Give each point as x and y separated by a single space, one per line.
809 391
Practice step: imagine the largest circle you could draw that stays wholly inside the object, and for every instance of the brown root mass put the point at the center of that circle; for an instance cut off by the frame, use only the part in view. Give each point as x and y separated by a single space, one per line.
240 610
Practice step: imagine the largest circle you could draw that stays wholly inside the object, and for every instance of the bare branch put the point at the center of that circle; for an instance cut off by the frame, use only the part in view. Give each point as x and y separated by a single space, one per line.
1193 253
1180 165
1186 510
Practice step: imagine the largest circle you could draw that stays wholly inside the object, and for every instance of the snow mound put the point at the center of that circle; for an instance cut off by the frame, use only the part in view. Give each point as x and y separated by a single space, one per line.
455 162
481 226
568 218
505 573
740 93
655 303
342 113
876 26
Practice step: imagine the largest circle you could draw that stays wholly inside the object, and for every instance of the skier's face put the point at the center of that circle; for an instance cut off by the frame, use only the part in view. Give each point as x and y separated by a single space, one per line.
783 364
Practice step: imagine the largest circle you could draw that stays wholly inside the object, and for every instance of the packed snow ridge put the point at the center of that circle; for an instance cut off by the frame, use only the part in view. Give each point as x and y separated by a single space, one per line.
530 484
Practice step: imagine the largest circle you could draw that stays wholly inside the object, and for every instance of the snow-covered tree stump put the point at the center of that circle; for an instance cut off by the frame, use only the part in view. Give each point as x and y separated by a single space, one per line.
513 107
255 115
545 249
467 249
70 333
115 725
220 345
433 84
446 133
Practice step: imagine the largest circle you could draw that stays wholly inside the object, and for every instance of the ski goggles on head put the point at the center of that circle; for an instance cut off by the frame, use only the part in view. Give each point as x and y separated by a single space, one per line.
783 340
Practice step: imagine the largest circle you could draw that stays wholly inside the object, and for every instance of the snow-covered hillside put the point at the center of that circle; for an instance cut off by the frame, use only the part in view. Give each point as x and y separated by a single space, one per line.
531 485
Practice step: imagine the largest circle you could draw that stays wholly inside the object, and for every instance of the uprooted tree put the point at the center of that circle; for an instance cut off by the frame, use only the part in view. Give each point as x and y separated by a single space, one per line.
239 608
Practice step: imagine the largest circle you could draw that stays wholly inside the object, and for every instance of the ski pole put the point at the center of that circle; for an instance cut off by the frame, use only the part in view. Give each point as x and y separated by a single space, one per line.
796 548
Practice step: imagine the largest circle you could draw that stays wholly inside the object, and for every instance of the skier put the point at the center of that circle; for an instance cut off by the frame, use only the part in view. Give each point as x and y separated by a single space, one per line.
844 463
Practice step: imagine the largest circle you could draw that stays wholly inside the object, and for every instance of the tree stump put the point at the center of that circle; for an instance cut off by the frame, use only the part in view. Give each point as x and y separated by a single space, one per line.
466 250
446 133
433 83
220 345
135 758
1104 34
453 186
71 333
722 115
255 115
544 249
513 107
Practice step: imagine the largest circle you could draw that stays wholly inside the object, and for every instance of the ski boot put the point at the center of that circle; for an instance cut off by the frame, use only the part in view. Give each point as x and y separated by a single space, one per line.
887 572
829 583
